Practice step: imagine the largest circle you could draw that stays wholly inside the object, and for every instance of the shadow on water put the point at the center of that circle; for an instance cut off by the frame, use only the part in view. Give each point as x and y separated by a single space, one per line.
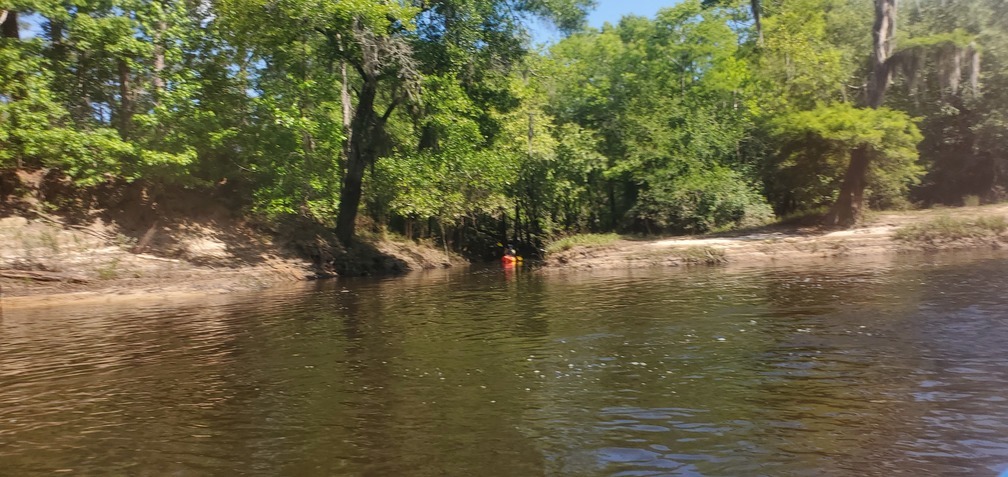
840 369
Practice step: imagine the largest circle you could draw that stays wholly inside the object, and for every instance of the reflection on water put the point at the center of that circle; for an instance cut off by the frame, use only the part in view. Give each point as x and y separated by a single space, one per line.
844 368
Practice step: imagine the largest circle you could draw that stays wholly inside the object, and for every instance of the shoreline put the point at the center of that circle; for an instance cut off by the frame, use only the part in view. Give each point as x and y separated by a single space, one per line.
150 278
786 244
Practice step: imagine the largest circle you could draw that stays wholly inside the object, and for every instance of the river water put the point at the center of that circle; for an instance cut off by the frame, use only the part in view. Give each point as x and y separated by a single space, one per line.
896 367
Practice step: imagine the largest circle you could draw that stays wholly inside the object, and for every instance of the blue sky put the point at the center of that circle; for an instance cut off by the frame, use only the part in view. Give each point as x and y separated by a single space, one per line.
612 10
608 11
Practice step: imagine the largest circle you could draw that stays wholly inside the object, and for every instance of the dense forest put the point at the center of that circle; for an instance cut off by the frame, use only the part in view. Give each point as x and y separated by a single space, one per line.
441 118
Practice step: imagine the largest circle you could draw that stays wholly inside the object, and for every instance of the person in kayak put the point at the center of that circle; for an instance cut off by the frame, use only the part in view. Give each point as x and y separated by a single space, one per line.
510 255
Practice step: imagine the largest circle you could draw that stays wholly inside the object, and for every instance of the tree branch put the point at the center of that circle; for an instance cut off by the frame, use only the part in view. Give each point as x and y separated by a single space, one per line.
360 69
388 111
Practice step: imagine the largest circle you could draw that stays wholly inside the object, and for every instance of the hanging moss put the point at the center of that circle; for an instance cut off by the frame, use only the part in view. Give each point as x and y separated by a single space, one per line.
950 54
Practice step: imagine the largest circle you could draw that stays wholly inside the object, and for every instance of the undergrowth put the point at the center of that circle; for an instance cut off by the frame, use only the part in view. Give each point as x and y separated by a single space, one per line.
947 228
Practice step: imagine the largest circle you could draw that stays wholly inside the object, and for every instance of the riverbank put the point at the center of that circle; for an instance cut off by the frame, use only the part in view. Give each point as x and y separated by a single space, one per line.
43 261
186 247
134 243
881 233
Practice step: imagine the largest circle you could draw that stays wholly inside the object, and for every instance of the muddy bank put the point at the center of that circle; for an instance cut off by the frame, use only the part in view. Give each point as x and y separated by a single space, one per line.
877 236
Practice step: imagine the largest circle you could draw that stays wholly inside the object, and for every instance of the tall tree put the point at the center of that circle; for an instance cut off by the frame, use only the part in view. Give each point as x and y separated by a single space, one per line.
456 28
884 61
850 202
382 57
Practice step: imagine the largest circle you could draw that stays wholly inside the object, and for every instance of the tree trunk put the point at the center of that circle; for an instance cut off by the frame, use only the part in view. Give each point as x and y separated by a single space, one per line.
9 29
516 238
125 113
59 47
157 80
757 21
365 128
9 25
882 47
849 206
347 115
83 107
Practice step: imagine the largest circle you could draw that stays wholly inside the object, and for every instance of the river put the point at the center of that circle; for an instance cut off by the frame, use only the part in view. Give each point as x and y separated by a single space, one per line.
844 367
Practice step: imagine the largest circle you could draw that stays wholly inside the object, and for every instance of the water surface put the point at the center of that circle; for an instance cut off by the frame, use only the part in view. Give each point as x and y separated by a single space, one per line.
835 368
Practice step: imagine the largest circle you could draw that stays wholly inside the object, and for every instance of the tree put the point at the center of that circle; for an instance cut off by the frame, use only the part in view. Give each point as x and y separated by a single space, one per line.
815 144
384 53
391 47
382 56
669 98
803 61
885 60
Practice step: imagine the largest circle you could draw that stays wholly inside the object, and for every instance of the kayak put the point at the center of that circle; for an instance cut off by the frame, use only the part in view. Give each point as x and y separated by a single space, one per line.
509 260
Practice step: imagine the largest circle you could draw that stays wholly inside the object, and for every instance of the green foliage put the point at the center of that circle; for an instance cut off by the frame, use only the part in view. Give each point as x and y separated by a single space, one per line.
801 63
668 99
455 174
37 131
964 145
701 201
814 147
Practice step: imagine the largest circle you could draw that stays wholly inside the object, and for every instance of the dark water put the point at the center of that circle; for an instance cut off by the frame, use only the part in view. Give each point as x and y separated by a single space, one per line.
837 368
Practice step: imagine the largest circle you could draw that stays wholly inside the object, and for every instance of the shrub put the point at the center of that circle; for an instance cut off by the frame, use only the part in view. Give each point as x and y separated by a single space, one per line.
700 202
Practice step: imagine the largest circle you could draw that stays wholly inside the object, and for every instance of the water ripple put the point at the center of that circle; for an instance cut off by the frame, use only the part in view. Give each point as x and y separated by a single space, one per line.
844 369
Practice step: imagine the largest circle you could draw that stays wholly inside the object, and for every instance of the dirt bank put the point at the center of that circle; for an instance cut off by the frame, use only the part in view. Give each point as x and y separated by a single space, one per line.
876 236
132 242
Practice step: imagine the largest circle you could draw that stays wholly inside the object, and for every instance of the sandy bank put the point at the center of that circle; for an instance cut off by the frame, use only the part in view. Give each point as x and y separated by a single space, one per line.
782 244
149 251
45 262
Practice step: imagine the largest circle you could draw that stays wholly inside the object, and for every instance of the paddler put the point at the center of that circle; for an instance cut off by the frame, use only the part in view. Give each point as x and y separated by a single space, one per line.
510 255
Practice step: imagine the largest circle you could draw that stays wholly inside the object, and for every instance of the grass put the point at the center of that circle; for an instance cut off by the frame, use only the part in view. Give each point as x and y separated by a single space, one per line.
948 229
582 240
49 240
708 255
109 271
